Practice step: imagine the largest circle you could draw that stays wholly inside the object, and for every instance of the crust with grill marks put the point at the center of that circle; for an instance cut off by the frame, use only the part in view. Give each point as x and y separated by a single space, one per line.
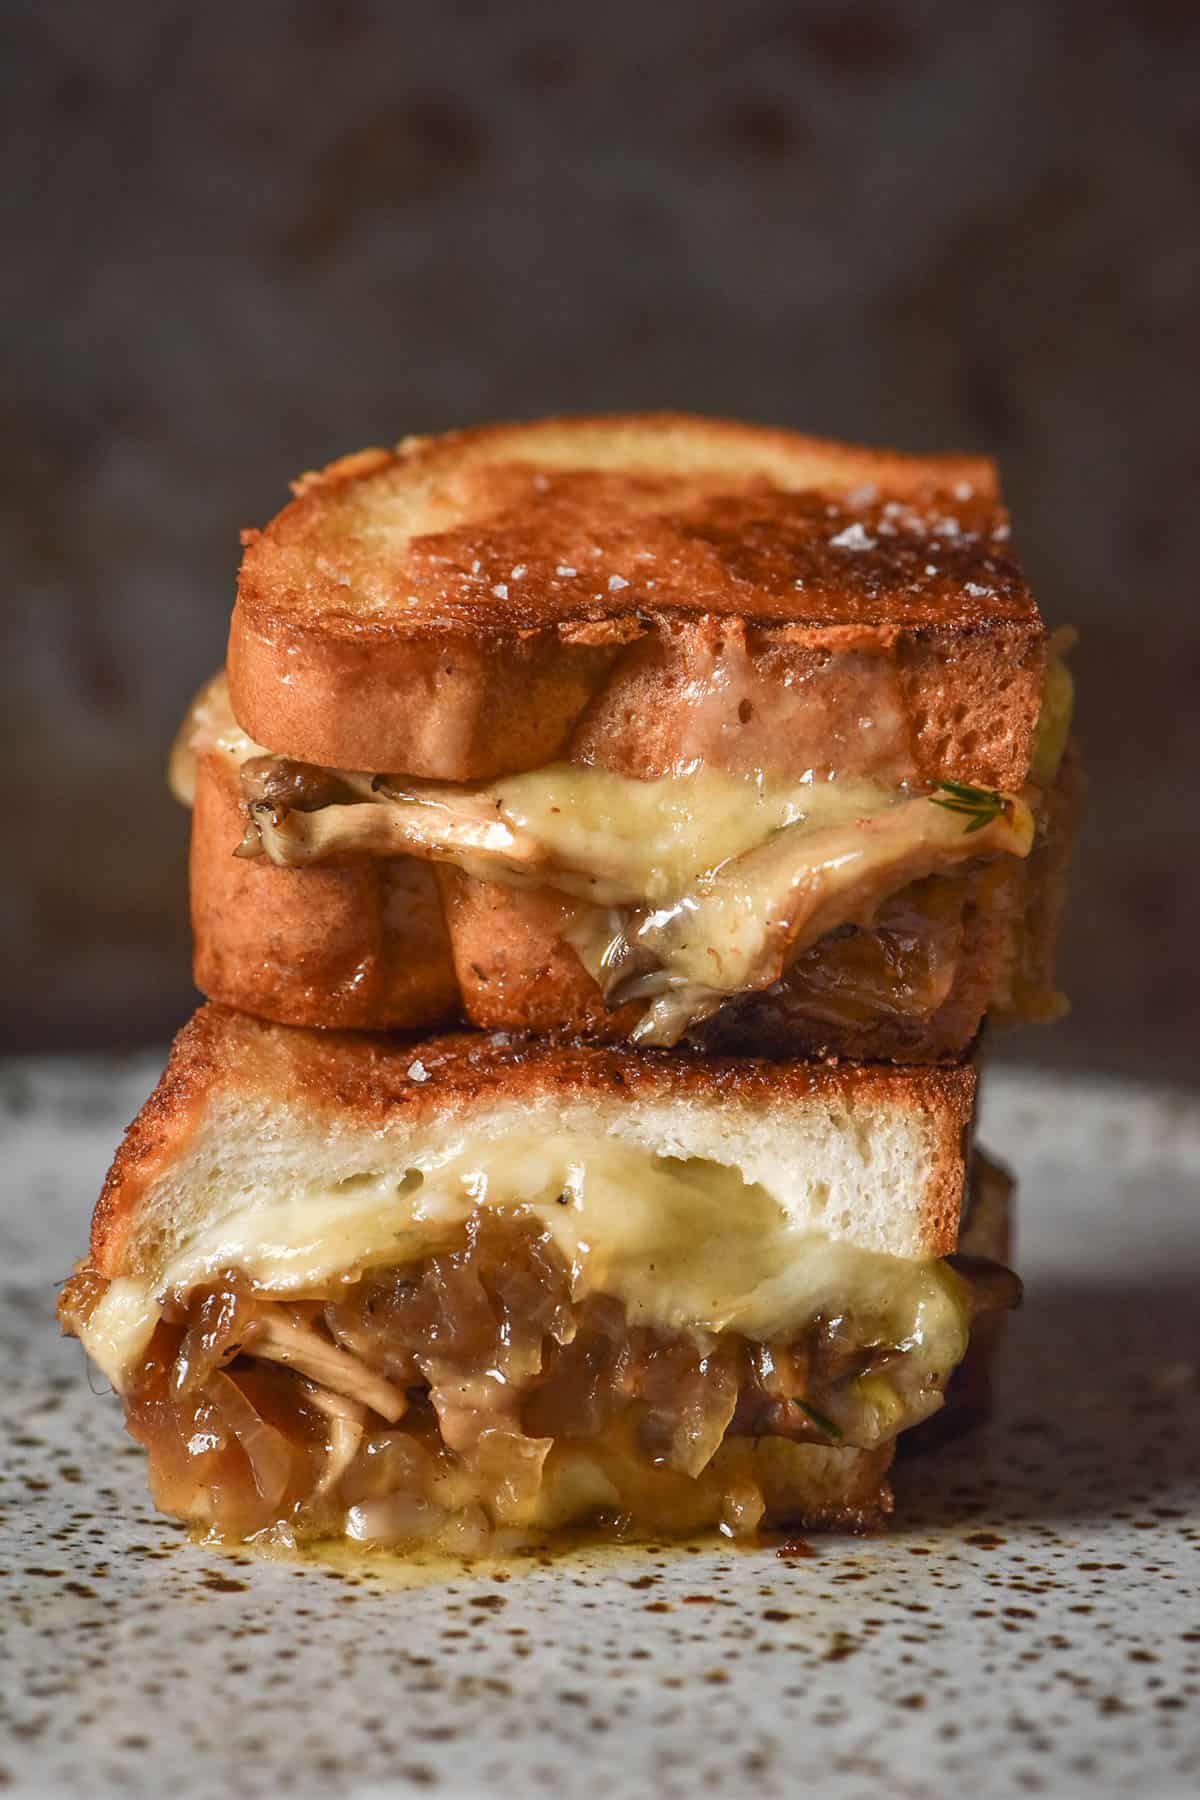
636 590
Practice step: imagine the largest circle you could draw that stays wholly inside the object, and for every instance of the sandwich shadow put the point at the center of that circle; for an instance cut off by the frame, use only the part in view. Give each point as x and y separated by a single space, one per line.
1096 1413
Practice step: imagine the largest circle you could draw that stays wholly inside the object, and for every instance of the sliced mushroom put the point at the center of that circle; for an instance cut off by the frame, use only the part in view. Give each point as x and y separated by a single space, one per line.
297 786
450 826
347 1420
281 1337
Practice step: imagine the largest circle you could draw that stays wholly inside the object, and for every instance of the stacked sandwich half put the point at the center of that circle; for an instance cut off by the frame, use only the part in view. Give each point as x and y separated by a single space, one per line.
610 837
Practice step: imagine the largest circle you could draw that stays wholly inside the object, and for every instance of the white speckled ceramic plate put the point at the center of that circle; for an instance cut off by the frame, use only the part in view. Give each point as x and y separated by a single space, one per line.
1030 1625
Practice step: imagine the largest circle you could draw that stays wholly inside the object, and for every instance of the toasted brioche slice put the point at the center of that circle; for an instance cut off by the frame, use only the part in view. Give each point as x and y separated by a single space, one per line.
640 591
439 1289
871 1154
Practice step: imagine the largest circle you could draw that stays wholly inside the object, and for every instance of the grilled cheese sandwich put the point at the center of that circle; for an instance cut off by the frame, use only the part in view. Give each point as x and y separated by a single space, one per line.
298 1215
619 726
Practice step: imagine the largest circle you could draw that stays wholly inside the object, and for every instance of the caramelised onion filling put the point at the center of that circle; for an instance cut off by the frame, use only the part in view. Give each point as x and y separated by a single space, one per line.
444 1401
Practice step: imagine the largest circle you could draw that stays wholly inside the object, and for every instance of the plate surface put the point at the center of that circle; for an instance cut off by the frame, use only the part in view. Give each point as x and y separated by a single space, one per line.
1031 1624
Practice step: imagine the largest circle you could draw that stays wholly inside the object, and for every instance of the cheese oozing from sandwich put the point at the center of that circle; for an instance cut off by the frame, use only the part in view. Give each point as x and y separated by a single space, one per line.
349 1284
686 1244
678 892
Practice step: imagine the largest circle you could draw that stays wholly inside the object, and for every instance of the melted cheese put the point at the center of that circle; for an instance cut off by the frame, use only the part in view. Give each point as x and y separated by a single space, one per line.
209 724
685 1244
652 839
692 887
630 841
1054 722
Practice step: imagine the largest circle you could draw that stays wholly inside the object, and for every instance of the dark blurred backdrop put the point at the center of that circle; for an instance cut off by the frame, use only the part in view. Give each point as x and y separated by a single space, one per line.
241 240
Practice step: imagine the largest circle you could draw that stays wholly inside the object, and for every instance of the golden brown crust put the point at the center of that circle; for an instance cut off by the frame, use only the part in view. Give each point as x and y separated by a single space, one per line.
451 709
153 1141
515 972
355 1079
734 532
362 946
458 607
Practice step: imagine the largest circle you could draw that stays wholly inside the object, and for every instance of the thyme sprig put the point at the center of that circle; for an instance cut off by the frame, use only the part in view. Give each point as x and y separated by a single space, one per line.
979 806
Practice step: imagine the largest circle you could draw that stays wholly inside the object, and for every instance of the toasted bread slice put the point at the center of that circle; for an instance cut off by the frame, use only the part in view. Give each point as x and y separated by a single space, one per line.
439 1289
642 592
870 1152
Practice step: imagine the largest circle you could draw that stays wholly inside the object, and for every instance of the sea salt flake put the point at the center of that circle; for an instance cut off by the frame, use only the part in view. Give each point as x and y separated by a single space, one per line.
931 568
977 592
853 538
417 1071
947 528
475 567
501 590
565 569
616 582
516 574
